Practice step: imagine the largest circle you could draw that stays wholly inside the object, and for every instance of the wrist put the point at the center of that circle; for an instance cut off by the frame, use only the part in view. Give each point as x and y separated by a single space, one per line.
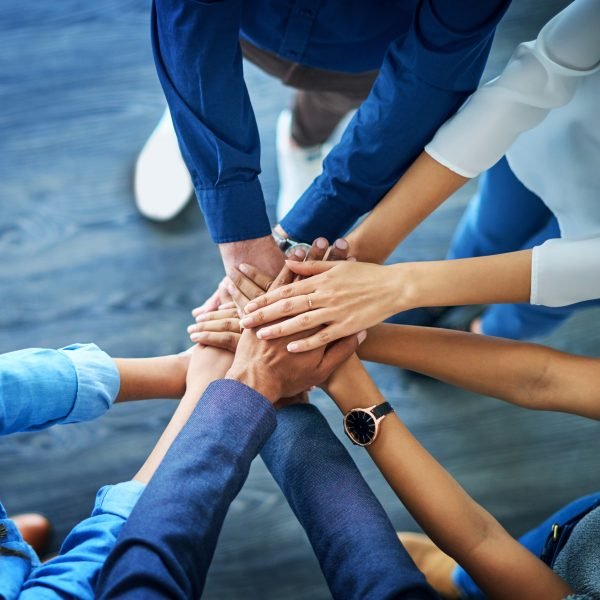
257 379
262 253
404 289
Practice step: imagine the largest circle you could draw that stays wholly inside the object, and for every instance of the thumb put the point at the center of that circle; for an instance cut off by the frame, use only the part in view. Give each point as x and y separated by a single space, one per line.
339 351
310 267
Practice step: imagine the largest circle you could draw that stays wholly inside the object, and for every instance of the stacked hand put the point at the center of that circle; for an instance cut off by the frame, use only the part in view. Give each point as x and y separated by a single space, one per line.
339 299
267 366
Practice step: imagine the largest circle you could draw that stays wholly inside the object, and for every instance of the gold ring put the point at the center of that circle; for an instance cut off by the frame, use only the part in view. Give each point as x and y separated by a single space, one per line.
310 302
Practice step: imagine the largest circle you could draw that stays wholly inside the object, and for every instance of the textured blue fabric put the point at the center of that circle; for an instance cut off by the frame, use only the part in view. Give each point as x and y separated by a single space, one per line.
355 542
74 572
504 216
534 540
14 569
165 548
431 54
42 387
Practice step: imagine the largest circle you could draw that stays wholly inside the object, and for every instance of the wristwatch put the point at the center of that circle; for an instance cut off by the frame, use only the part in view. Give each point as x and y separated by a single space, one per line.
287 245
362 424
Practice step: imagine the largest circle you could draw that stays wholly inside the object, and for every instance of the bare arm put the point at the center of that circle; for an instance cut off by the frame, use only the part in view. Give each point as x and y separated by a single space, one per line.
529 375
454 521
425 185
157 377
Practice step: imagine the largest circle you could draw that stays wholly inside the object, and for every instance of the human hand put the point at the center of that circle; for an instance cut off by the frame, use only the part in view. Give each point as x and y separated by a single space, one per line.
261 252
346 297
221 328
206 364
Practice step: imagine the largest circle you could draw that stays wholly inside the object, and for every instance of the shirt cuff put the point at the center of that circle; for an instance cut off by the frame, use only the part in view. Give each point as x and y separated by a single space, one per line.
235 213
98 382
119 499
15 569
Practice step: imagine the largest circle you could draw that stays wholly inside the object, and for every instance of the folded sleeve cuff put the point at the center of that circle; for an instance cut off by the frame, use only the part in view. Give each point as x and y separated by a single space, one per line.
235 212
98 382
565 272
119 499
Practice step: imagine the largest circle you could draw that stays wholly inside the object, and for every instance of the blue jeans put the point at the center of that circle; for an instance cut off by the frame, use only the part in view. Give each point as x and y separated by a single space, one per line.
534 540
351 535
504 216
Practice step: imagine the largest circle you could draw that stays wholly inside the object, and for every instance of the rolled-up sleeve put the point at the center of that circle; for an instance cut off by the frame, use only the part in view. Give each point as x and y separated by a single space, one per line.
199 63
565 271
44 387
540 76
75 571
423 80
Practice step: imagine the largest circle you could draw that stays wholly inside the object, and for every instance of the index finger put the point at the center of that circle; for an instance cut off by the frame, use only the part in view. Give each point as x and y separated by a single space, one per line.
298 288
286 276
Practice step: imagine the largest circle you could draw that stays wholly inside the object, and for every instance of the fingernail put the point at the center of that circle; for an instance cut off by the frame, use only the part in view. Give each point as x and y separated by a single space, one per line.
299 252
293 347
231 288
362 336
201 318
322 243
243 268
195 337
191 328
246 322
263 333
341 244
250 307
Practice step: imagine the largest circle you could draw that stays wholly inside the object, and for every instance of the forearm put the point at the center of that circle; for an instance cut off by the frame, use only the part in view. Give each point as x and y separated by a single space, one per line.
167 544
424 186
157 377
343 520
528 375
498 279
209 364
453 520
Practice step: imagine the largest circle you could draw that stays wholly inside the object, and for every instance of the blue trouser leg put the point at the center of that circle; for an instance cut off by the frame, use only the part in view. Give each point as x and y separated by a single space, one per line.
504 216
355 542
534 540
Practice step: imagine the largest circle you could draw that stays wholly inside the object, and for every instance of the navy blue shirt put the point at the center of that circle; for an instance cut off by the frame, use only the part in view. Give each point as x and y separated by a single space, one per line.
431 54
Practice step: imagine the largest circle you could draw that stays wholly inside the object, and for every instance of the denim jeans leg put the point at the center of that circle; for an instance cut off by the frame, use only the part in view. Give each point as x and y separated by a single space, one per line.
534 540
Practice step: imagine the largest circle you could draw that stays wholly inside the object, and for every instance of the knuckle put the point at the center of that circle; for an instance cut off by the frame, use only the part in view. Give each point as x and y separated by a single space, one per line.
324 337
288 306
285 292
304 320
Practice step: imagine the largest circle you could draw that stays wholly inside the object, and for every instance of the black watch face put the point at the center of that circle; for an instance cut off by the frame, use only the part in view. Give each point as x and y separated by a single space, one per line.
361 427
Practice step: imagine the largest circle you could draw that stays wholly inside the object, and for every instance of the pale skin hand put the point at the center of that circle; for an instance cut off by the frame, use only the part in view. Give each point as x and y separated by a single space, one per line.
349 297
261 252
528 375
453 520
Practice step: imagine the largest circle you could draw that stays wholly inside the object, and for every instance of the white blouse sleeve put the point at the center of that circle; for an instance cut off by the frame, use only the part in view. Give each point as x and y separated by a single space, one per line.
565 271
540 76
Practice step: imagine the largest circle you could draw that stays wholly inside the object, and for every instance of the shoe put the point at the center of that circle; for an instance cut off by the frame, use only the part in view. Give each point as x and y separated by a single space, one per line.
35 530
432 562
298 167
162 183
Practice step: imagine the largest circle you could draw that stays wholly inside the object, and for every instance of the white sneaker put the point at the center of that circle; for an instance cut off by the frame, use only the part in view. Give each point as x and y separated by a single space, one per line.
297 167
162 184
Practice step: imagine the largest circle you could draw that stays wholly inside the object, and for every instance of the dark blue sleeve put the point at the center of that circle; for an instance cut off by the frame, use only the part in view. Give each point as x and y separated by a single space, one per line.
355 542
166 547
423 81
199 63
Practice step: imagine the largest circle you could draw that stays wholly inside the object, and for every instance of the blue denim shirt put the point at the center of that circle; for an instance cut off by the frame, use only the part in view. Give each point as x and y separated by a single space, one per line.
40 388
431 54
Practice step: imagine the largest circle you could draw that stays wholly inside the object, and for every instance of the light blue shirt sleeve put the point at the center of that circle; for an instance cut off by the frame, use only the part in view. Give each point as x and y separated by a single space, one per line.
44 387
74 572
16 568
